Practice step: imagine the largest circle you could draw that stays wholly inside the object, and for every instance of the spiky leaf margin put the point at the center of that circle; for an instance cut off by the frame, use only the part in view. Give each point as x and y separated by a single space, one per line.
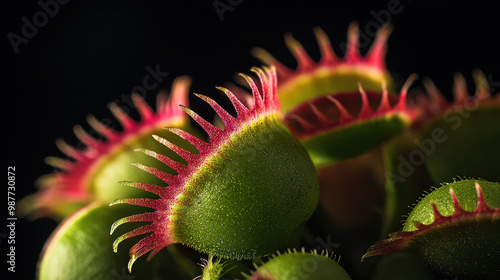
163 218
69 186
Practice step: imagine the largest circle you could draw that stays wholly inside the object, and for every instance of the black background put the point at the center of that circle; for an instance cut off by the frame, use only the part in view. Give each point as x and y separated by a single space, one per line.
91 52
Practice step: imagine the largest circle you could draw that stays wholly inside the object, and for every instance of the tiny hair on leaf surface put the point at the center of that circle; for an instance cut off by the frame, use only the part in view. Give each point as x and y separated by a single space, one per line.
300 265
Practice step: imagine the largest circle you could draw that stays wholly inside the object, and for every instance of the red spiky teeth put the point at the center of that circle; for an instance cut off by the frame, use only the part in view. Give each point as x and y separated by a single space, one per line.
374 60
435 104
163 218
371 66
70 183
400 240
335 111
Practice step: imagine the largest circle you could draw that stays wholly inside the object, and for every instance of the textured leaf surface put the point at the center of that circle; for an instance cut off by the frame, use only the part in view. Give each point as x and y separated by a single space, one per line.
300 265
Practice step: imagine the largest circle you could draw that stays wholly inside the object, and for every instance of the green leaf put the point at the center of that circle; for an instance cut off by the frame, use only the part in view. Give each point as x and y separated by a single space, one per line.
81 248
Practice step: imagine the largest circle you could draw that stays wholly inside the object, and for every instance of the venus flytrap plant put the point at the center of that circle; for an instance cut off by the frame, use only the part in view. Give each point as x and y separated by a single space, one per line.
248 209
248 190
